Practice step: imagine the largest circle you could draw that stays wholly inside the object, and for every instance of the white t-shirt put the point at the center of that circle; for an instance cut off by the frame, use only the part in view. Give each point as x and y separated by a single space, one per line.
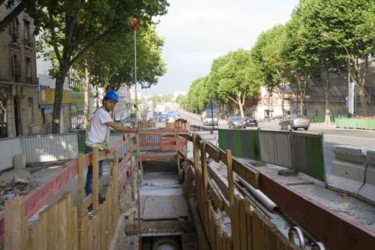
98 129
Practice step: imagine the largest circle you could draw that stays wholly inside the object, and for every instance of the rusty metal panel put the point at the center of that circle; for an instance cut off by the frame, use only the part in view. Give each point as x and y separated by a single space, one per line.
43 148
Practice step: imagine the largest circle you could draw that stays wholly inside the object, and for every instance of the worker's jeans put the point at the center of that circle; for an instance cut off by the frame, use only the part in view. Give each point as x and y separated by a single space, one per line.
88 186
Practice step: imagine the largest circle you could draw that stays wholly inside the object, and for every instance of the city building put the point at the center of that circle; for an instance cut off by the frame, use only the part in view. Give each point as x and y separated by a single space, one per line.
19 111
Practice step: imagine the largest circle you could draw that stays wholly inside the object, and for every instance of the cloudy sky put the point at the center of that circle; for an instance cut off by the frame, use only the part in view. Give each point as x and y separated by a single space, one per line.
198 31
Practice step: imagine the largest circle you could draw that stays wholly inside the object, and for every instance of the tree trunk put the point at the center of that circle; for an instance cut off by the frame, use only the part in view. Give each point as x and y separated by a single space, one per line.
59 89
327 92
362 96
86 98
240 105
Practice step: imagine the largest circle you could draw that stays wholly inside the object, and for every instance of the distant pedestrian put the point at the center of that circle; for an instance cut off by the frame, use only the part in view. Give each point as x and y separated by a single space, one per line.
98 134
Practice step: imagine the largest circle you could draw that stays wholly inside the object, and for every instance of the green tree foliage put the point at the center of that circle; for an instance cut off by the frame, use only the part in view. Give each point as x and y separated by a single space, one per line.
182 100
334 32
111 61
197 95
236 78
270 62
71 27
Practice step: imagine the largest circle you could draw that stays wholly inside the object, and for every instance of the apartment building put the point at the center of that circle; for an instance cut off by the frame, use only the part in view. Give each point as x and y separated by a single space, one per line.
19 111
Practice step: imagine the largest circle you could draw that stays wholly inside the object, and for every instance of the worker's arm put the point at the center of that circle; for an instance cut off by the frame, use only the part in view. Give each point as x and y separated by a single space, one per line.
121 128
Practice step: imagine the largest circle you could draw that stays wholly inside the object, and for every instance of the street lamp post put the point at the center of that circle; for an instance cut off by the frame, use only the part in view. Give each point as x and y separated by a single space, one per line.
135 26
212 116
348 55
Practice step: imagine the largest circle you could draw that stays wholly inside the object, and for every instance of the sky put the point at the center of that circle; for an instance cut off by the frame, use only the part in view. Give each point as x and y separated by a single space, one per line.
196 32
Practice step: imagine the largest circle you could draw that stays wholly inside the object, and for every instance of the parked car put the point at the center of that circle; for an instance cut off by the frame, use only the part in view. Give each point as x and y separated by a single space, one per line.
236 122
251 122
294 122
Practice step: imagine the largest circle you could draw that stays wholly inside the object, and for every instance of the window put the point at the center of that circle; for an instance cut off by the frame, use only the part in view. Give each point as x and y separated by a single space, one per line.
15 68
28 70
14 30
27 39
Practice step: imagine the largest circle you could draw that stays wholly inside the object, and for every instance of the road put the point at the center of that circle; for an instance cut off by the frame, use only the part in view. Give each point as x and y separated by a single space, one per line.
332 136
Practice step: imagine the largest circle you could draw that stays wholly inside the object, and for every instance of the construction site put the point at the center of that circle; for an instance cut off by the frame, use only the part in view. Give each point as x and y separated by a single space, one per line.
176 187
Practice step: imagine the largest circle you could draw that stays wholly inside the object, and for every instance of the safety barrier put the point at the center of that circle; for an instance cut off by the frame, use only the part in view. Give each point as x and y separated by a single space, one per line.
353 172
348 170
356 123
367 190
299 151
243 143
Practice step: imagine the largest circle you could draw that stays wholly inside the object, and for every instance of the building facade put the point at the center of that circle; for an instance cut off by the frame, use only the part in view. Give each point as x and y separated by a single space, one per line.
19 111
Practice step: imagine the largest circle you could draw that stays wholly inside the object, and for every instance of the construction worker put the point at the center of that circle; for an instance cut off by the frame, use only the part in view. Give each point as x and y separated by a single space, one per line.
98 134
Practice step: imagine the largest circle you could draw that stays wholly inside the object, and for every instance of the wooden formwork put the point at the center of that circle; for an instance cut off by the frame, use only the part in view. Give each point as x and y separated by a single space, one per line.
65 226
247 228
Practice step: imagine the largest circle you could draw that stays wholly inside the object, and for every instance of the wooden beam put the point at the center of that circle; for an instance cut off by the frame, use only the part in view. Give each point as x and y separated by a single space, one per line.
248 174
335 230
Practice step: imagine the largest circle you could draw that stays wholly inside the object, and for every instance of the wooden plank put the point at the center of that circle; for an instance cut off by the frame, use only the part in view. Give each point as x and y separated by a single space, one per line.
218 201
250 175
205 182
235 222
231 199
49 219
80 184
70 226
83 232
15 223
35 239
269 235
249 224
223 157
61 223
213 152
115 194
95 179
258 232
220 183
74 226
243 224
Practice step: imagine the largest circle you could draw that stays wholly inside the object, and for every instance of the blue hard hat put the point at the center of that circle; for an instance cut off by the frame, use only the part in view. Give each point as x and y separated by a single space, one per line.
111 95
